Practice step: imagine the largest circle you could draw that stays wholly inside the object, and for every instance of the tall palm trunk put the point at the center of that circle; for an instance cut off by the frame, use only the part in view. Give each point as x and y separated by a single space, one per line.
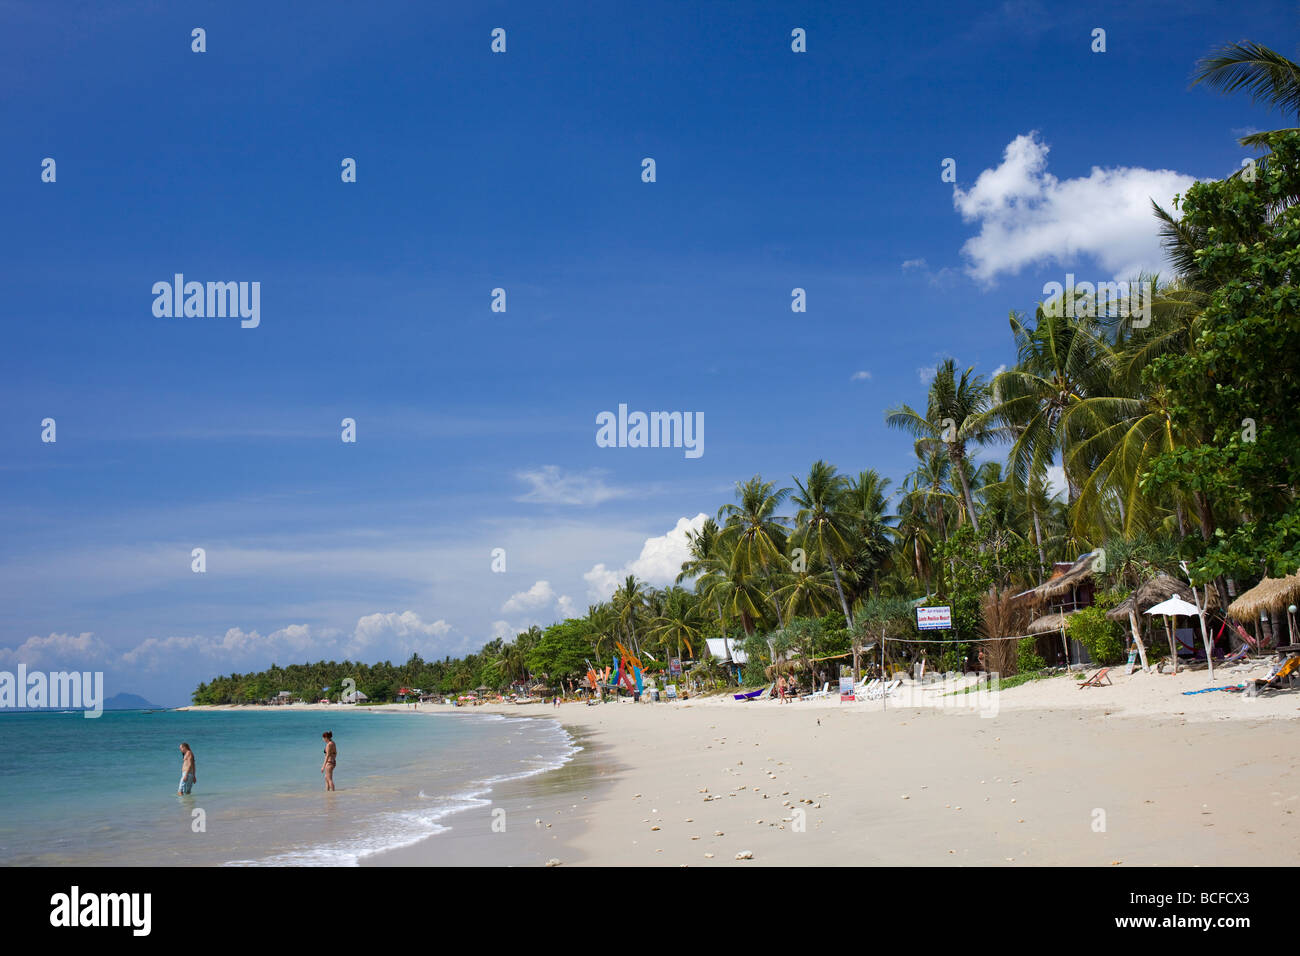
1038 540
840 590
916 549
956 457
771 593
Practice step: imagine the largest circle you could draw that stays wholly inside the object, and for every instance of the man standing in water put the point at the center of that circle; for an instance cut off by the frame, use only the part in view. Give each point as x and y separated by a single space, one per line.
188 777
331 758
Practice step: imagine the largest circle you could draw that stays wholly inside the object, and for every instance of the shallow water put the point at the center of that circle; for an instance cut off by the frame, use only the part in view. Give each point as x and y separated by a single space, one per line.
103 791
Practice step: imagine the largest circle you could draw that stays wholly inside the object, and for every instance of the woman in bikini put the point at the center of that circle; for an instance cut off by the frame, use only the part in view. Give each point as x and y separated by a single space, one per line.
331 758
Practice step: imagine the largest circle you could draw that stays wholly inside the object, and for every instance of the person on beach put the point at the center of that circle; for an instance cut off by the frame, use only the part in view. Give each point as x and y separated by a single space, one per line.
331 758
188 776
780 688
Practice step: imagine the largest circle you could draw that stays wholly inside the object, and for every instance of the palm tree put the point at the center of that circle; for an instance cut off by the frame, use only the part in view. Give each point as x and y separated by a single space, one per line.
927 495
822 526
866 505
756 534
914 541
810 592
1061 361
603 623
1131 423
629 603
957 416
678 622
707 564
1266 75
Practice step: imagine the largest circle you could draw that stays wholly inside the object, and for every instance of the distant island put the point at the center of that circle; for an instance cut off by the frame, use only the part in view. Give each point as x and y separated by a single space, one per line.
129 702
116 702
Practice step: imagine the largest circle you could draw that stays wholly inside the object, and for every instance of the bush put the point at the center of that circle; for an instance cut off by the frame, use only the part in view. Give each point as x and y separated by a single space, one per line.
953 657
1028 660
1102 638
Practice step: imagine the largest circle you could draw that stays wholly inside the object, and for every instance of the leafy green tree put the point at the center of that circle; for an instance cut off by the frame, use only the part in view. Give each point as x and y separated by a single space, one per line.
1239 384
878 619
563 650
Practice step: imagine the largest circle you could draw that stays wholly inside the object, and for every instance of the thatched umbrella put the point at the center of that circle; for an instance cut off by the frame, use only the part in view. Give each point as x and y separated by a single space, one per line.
1268 595
1147 595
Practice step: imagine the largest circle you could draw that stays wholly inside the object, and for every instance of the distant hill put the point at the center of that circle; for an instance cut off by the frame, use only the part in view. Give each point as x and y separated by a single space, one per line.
116 702
128 702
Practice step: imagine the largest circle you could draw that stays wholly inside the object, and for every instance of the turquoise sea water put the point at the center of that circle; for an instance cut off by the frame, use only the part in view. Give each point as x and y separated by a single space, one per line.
103 791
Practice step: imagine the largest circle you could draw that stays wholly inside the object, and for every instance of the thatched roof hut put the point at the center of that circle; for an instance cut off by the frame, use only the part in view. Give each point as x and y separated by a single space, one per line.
1152 592
1048 623
1271 594
1061 584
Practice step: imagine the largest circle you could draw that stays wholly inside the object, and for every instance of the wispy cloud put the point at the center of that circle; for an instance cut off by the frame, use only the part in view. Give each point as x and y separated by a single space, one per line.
551 485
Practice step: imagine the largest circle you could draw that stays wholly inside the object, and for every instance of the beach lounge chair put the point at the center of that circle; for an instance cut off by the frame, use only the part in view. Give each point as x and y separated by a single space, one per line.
1274 681
1099 679
883 690
824 692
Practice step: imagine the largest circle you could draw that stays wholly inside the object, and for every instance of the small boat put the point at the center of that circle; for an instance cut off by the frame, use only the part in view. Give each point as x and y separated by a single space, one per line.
750 696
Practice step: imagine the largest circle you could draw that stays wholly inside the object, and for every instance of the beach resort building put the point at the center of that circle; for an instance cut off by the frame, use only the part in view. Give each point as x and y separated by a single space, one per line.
1070 588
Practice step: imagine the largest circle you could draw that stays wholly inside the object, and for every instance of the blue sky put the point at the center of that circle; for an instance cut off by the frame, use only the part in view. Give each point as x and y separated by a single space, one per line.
522 171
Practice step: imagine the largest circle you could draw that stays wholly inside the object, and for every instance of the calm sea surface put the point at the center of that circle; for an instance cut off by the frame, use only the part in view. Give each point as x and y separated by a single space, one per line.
103 791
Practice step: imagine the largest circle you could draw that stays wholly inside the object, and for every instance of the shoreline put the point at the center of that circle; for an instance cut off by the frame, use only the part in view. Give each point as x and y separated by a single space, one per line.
1135 773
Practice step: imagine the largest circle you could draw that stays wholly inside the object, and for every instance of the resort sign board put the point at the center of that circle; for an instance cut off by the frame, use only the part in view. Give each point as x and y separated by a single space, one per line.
846 687
934 618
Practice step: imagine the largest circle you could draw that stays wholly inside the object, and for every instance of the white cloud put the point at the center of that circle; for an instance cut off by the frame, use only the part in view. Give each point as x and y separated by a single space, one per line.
537 596
56 652
860 376
378 628
1028 216
551 486
236 646
659 562
375 636
914 264
927 374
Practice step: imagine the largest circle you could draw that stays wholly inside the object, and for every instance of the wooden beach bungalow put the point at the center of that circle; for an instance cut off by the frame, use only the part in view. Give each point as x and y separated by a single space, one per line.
1070 588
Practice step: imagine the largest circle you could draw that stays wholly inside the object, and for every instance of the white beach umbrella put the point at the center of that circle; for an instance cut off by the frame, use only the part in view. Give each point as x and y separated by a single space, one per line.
1174 607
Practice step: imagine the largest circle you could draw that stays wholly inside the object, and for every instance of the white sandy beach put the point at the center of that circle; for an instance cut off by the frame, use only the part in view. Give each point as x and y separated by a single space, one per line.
1133 774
